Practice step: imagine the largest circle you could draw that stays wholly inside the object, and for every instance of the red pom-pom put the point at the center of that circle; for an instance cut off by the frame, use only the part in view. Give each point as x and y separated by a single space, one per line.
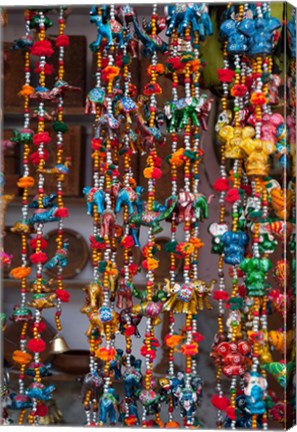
41 410
36 345
41 326
197 337
225 75
242 291
36 157
42 48
96 144
38 257
133 269
239 90
62 212
41 137
232 196
129 330
127 242
220 402
231 413
151 353
247 189
221 185
157 173
48 68
220 295
62 41
42 242
63 295
157 161
96 244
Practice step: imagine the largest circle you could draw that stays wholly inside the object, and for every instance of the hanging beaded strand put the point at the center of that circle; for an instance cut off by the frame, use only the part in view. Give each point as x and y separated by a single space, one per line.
25 182
220 186
60 127
41 138
172 271
151 187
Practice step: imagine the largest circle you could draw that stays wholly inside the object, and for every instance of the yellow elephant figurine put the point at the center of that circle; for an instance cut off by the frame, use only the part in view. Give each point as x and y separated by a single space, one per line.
233 136
257 156
277 339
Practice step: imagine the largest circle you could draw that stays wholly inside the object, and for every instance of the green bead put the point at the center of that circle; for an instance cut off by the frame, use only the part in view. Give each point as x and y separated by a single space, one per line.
234 215
236 109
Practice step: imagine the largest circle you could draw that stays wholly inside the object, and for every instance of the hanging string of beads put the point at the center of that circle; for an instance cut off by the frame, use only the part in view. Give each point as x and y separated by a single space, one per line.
24 136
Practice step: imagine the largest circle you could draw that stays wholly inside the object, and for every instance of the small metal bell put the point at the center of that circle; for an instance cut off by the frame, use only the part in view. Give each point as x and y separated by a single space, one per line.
58 345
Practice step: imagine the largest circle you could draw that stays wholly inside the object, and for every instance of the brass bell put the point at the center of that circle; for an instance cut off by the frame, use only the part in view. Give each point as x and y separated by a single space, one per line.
58 345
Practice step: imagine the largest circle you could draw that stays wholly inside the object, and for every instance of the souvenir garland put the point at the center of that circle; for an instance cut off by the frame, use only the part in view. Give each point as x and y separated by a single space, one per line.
44 293
253 210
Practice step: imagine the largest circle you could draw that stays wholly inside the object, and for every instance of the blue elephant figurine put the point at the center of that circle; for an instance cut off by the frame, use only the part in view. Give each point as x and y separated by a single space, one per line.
182 14
116 364
255 392
44 369
129 402
260 34
234 245
20 401
132 378
126 196
108 405
187 399
44 215
39 391
237 41
95 197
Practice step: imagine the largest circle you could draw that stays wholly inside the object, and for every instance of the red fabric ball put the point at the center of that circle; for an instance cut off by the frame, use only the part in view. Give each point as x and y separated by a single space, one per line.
151 353
42 48
36 345
221 185
63 295
38 257
62 41
127 242
157 173
133 269
225 75
232 196
42 241
35 157
48 68
239 90
220 295
41 326
230 412
41 137
41 410
129 330
62 212
220 402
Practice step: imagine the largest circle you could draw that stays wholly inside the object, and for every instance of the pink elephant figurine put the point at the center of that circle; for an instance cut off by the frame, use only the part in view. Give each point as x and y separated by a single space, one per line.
270 123
107 224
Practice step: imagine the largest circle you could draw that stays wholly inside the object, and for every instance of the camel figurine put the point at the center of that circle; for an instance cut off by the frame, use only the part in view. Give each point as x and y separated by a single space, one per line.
100 318
188 297
94 292
60 170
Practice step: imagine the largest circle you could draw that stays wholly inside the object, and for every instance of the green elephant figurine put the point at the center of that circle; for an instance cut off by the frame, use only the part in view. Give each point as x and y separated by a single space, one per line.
256 270
181 111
